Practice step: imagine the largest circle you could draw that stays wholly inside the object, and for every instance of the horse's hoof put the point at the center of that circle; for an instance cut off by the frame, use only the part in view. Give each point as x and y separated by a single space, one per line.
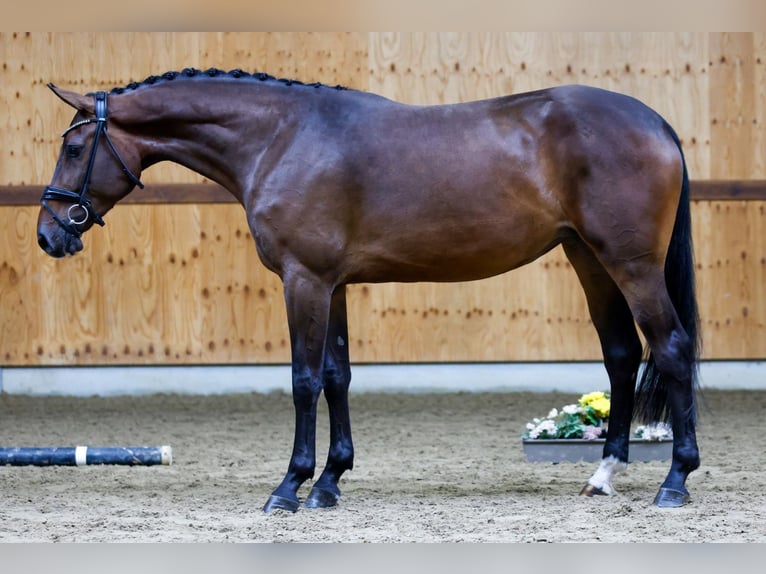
590 490
670 498
319 498
280 503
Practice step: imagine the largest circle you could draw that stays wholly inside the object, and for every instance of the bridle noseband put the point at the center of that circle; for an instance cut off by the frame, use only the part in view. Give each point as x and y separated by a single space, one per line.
81 200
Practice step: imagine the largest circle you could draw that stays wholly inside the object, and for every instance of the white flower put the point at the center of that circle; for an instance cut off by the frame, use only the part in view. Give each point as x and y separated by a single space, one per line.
590 432
546 427
553 413
571 409
657 431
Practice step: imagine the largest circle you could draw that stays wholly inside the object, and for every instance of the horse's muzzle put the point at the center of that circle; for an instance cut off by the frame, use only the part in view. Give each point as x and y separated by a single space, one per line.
59 244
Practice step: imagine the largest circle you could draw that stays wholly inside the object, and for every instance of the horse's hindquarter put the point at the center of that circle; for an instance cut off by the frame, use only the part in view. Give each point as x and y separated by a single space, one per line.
621 173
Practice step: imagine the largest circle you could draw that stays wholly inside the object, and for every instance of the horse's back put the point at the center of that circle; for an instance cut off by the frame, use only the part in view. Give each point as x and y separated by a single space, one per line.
565 130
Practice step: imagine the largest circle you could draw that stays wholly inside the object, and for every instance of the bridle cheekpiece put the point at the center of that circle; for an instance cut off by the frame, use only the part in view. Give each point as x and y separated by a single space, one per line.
81 200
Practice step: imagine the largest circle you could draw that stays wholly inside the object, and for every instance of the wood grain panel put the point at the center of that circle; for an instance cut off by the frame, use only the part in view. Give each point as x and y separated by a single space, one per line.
181 283
20 287
759 112
733 112
731 268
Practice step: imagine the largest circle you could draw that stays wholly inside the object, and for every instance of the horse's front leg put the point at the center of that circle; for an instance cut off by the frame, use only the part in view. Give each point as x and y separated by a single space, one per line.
308 305
337 376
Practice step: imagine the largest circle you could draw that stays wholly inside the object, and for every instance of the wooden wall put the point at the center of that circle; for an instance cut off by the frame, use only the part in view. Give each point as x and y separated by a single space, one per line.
181 283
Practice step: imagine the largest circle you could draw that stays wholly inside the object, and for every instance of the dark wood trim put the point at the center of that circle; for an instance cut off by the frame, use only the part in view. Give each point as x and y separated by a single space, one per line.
701 190
728 189
181 193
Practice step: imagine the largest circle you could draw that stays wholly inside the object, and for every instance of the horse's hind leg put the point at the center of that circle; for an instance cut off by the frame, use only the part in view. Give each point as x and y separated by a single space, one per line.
307 300
673 354
643 283
337 376
621 348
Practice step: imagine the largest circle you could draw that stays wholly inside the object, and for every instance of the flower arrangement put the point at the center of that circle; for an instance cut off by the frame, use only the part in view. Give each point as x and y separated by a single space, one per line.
586 419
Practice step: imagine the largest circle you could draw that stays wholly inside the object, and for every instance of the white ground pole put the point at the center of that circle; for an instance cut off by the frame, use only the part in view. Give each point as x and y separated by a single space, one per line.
579 377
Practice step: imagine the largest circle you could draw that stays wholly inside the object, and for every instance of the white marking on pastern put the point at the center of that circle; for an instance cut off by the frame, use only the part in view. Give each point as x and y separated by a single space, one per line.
602 478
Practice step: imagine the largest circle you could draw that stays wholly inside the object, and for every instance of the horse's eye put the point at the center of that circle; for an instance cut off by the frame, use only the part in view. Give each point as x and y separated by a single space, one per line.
73 151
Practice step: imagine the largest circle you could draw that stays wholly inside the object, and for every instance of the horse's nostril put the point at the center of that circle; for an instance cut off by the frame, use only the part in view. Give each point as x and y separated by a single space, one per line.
50 248
42 241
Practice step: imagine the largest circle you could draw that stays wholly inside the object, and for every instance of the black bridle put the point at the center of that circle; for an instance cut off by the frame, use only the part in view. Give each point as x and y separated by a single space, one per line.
81 200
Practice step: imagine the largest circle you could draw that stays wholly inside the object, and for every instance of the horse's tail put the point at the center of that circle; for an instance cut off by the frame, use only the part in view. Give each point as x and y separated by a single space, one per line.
651 392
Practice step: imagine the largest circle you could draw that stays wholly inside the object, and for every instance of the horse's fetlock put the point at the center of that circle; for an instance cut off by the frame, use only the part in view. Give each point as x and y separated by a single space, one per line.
342 457
303 467
688 457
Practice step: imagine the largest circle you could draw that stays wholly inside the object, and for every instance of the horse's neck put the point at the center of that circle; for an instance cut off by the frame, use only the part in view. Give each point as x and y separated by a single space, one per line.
215 133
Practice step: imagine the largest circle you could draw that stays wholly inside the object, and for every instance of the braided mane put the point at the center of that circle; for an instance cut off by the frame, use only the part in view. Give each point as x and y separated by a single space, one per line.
216 73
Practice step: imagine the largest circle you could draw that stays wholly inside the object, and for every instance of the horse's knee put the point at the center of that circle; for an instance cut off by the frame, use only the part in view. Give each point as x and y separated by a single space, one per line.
335 375
306 388
336 380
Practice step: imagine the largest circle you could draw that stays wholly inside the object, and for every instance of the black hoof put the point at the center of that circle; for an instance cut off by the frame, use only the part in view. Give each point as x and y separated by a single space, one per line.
319 498
590 490
280 503
670 498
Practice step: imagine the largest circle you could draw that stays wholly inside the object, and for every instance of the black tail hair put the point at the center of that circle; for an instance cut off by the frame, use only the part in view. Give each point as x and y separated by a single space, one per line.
651 392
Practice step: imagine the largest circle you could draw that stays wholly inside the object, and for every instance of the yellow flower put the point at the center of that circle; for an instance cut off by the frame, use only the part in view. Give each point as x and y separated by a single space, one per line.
601 407
586 399
598 401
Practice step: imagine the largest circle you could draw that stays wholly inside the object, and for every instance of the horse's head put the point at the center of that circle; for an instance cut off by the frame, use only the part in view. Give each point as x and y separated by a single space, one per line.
90 175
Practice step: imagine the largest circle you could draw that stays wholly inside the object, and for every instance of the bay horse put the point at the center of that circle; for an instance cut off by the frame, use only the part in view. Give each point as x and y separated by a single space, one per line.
342 186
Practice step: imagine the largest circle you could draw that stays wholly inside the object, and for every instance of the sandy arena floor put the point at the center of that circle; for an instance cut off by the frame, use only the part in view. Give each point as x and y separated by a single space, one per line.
429 468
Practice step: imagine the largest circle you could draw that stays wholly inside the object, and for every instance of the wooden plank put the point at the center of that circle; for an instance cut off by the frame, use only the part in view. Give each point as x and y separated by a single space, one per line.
731 273
759 113
734 109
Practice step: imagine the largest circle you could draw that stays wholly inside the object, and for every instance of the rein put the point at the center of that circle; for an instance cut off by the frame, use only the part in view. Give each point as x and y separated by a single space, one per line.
80 200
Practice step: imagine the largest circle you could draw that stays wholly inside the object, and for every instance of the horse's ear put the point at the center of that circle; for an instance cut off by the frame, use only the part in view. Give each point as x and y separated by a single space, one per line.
77 101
